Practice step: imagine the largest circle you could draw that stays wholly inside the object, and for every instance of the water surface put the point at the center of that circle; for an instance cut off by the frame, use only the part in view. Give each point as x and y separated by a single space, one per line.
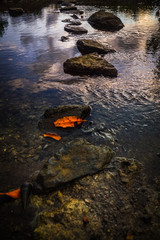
125 110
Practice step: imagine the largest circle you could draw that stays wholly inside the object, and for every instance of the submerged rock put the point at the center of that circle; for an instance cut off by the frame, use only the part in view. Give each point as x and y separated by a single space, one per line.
76 159
86 46
75 29
105 21
15 12
89 64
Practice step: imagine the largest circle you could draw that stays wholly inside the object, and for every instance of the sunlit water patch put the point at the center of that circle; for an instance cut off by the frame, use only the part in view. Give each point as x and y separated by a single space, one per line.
125 110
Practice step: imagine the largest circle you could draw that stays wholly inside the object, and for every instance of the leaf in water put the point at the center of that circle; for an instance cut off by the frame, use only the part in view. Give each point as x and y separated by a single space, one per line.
68 121
52 135
14 194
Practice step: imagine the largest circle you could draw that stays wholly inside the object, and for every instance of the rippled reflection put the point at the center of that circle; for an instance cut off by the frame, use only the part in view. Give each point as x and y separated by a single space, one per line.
32 79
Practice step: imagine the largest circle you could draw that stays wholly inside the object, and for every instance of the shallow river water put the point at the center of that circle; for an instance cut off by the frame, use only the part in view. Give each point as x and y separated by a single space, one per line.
125 110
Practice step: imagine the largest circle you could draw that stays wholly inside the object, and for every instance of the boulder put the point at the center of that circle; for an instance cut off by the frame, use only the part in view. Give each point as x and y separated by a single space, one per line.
89 64
75 29
105 21
76 159
86 46
15 12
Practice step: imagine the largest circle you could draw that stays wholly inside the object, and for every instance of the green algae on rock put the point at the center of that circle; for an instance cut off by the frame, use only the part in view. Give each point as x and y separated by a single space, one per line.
89 64
76 159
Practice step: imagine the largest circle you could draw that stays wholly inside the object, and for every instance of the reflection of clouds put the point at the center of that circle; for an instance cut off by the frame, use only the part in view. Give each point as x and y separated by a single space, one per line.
27 39
51 18
23 83
129 42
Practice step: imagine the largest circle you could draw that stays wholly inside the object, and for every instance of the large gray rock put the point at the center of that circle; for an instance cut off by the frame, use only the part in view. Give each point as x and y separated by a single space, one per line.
76 159
89 64
105 21
86 46
75 29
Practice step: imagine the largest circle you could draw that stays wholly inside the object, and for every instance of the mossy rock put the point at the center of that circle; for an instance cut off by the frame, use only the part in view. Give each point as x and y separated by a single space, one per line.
89 64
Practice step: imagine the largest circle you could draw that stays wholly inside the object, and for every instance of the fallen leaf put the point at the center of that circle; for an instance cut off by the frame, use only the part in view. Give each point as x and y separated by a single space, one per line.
14 194
52 135
68 121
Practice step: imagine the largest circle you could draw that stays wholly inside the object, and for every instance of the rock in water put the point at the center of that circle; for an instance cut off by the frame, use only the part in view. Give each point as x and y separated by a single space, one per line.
89 64
15 12
68 8
52 114
75 29
86 46
105 21
76 159
81 111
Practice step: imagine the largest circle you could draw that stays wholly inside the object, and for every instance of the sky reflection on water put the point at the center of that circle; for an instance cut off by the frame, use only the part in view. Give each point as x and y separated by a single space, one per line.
32 79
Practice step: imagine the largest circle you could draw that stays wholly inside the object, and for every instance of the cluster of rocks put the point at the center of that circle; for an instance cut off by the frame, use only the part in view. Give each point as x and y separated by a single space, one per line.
91 63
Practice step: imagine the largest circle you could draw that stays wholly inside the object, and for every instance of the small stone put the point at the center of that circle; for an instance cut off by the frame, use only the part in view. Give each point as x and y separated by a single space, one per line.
75 29
86 201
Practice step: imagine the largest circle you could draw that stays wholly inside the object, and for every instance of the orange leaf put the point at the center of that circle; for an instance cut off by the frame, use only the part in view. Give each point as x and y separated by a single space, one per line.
68 121
14 194
52 135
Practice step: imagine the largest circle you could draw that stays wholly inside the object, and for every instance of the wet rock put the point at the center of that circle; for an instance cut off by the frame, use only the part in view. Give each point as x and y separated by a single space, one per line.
3 24
68 8
64 38
89 64
75 16
15 12
76 30
105 21
72 22
51 115
66 20
76 159
81 111
76 22
86 46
